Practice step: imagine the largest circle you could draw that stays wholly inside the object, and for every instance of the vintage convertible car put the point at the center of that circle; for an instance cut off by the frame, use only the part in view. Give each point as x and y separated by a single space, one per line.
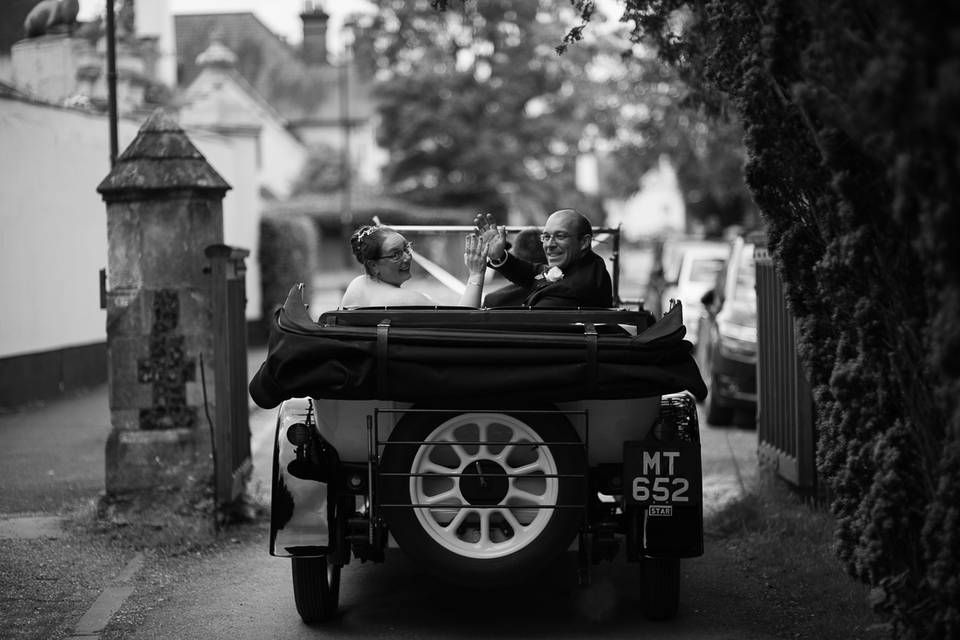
482 442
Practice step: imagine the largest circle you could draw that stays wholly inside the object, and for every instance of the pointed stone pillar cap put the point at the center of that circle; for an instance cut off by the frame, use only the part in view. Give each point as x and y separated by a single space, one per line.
161 158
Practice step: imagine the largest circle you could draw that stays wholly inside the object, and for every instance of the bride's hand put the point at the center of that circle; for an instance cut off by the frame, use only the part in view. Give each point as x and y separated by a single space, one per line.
475 251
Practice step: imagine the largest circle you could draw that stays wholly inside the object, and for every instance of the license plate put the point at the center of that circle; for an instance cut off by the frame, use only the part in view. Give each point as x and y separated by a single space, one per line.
662 474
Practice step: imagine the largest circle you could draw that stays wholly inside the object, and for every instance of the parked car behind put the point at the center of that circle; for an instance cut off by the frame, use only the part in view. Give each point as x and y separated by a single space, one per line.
727 339
696 273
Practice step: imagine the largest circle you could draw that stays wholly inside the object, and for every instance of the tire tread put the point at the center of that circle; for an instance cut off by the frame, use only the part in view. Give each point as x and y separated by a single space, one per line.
316 588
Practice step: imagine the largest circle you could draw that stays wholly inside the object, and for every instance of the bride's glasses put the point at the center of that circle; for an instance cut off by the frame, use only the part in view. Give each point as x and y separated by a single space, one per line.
399 255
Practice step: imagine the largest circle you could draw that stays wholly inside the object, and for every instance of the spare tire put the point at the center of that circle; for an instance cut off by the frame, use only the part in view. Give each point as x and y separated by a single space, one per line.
502 493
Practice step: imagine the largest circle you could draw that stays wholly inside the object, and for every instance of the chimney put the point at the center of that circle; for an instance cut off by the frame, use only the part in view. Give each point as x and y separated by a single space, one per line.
314 33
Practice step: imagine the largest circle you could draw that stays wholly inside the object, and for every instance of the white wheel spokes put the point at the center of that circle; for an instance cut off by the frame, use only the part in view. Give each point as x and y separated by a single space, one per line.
458 520
482 433
432 467
453 496
527 469
512 519
460 451
529 498
488 499
484 528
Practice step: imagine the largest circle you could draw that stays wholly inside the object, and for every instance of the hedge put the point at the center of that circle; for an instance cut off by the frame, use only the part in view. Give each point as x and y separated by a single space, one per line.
288 254
852 138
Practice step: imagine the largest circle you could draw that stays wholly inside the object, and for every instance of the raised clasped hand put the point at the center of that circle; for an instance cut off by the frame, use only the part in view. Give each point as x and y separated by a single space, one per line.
475 252
494 235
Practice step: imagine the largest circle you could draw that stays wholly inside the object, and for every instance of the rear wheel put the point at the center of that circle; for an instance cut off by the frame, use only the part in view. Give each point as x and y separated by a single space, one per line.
316 581
498 500
316 588
661 587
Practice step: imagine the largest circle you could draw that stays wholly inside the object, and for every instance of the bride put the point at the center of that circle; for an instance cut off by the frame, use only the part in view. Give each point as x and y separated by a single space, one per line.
386 257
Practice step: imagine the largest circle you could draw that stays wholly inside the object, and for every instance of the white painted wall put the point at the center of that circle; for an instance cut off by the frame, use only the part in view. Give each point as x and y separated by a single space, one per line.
236 162
53 239
282 157
220 98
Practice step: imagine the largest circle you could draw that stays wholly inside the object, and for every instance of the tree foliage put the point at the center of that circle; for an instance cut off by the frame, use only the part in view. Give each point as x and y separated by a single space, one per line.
477 108
454 102
323 172
852 139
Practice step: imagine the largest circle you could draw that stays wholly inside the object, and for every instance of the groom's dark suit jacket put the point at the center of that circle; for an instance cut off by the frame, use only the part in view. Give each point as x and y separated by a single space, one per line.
585 283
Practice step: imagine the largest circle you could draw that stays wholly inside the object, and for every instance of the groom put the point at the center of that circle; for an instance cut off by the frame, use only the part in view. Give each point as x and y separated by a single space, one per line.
574 276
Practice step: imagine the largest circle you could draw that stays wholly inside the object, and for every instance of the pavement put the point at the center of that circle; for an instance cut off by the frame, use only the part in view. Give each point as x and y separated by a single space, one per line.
53 452
52 468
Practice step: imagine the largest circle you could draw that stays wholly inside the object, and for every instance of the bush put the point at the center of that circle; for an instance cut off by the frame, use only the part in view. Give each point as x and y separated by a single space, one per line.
288 255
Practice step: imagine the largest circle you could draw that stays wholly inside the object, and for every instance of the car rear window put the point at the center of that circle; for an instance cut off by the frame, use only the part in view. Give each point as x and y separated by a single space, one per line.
705 270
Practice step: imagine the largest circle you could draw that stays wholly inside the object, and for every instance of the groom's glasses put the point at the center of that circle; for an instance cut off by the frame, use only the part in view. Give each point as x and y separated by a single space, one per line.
399 255
559 236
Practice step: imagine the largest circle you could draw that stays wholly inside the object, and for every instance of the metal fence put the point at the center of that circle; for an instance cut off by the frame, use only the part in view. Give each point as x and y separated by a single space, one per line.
785 429
231 438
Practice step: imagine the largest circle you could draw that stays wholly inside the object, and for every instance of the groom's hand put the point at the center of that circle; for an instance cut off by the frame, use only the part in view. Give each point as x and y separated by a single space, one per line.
493 235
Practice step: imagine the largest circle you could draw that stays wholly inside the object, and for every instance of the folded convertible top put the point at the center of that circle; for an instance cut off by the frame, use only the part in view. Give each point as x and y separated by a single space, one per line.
421 354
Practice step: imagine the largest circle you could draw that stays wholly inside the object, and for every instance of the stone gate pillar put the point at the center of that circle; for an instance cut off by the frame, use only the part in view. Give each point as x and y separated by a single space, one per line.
164 206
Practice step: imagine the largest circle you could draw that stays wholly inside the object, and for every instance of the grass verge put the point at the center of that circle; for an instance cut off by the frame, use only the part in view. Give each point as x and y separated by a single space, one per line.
782 547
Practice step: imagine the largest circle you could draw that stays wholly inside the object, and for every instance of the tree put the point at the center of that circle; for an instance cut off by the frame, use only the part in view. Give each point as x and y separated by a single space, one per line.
462 120
476 107
849 111
657 115
323 171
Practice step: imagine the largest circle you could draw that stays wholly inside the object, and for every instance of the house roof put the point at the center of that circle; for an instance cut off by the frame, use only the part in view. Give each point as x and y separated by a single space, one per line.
241 32
303 94
218 74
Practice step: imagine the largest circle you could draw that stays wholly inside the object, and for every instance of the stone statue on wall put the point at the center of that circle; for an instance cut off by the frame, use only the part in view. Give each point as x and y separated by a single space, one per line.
47 15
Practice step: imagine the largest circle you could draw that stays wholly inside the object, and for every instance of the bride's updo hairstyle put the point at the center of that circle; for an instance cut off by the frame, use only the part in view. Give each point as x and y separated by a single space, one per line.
366 241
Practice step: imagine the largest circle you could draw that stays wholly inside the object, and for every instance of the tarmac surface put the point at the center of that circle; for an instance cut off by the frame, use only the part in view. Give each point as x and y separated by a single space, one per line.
52 467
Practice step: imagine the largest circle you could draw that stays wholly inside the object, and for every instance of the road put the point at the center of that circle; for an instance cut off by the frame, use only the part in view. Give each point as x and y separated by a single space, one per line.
246 595
52 460
242 593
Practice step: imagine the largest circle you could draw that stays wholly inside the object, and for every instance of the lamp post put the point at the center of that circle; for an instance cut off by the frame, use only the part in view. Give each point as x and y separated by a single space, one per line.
112 81
346 212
